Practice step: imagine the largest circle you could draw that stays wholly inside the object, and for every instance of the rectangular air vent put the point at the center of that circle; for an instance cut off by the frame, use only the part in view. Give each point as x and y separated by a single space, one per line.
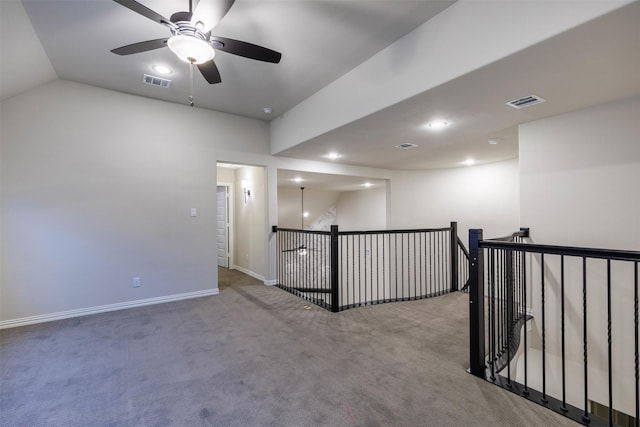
156 81
525 101
406 145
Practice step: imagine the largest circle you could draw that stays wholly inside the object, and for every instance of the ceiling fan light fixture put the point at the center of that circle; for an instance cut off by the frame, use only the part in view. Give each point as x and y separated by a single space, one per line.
191 49
162 69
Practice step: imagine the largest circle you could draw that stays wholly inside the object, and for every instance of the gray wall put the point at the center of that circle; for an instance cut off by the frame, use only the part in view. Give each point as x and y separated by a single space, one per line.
97 188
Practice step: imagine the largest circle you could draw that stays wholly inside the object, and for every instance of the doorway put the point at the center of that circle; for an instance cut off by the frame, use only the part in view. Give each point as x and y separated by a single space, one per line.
223 226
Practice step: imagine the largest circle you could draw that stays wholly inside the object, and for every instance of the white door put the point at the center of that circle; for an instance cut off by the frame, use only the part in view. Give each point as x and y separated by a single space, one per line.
222 225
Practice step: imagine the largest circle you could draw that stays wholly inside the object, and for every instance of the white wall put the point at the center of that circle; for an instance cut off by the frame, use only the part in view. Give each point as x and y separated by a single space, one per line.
485 196
97 188
579 187
316 202
579 177
362 210
226 175
250 228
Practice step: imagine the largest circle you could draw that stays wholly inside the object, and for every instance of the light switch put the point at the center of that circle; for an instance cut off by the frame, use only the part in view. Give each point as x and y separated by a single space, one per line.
194 212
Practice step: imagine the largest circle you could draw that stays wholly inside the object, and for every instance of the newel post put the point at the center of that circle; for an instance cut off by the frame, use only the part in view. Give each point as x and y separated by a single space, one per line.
476 305
335 294
453 240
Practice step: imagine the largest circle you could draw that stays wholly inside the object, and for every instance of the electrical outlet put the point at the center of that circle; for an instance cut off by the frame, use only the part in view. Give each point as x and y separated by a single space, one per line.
135 282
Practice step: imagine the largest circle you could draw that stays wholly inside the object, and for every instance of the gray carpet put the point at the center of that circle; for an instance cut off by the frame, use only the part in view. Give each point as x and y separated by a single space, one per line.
254 356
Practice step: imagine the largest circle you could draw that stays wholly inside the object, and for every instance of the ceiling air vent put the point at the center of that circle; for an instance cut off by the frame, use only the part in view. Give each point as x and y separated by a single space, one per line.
156 81
525 101
406 145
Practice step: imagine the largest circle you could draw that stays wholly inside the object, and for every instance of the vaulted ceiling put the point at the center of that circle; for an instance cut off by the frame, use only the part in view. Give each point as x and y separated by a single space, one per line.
321 41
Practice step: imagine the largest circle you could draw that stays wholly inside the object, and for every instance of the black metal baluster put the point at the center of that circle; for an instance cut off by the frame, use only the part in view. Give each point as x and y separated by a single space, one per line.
296 278
313 263
385 284
407 238
327 259
308 280
585 416
370 257
402 264
500 319
353 267
415 268
440 260
564 382
362 283
440 272
434 288
636 358
396 264
492 312
279 257
609 343
544 338
421 264
378 266
419 261
436 261
509 302
295 274
525 389
504 301
346 270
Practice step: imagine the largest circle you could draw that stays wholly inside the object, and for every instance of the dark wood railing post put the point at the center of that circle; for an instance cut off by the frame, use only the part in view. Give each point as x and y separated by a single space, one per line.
335 294
453 239
476 305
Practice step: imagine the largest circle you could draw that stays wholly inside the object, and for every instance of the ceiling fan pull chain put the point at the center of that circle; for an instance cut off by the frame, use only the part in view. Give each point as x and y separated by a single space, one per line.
191 84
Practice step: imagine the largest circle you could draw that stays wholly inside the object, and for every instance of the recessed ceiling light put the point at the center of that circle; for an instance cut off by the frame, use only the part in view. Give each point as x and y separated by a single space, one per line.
493 141
333 155
297 179
162 69
267 110
438 124
306 214
469 162
367 184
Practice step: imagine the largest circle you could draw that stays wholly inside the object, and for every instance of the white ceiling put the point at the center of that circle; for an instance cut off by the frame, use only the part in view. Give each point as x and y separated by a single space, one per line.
320 40
591 64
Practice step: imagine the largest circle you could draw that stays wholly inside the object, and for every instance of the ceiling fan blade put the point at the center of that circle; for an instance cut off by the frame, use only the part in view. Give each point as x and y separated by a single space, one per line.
210 72
247 50
140 47
210 12
142 10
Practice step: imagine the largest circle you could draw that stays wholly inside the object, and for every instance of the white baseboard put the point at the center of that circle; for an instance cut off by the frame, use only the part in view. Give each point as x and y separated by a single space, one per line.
12 323
248 272
271 282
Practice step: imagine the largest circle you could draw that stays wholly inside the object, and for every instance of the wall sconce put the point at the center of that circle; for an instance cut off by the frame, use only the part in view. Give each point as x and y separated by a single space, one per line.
245 190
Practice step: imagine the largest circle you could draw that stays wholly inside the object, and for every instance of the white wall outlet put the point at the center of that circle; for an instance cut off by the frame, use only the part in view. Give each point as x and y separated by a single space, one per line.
135 282
194 212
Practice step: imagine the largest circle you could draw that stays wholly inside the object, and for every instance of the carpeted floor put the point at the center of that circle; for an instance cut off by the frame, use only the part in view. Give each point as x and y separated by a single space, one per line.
254 356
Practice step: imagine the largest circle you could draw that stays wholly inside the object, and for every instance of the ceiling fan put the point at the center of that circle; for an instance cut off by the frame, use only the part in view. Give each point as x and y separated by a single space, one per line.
191 38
